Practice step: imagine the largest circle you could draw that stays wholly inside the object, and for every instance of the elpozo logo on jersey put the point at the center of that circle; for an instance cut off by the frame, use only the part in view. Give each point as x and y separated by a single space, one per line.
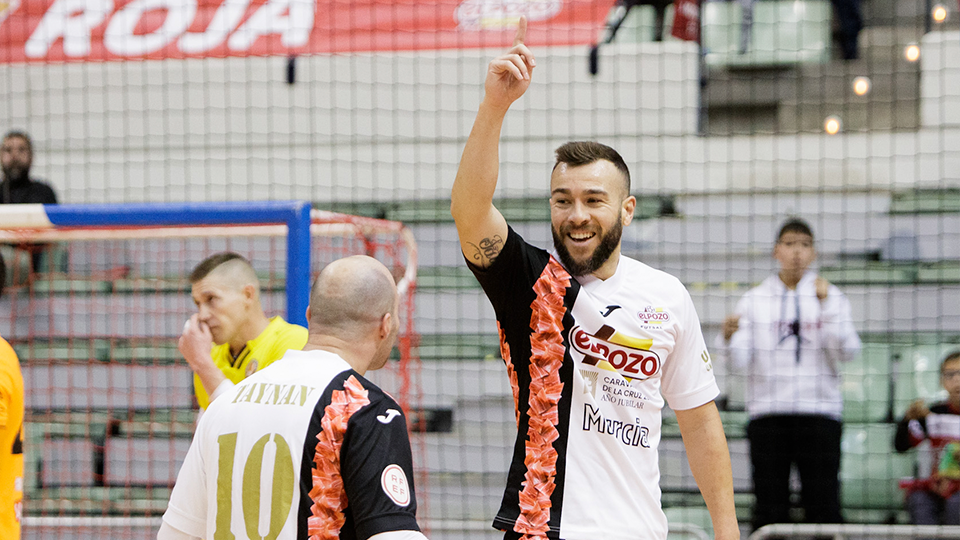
501 14
610 350
652 315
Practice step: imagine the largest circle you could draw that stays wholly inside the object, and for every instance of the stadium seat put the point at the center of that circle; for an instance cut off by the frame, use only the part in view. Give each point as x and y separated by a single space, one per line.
917 374
688 522
640 25
143 462
675 475
107 386
866 385
64 461
783 32
870 469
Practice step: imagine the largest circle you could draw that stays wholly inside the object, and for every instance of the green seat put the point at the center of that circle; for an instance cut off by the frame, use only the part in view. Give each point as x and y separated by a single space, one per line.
783 32
918 374
939 272
638 26
870 469
866 384
688 522
926 201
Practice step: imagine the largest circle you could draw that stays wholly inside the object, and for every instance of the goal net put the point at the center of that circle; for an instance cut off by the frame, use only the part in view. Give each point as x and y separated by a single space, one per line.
94 313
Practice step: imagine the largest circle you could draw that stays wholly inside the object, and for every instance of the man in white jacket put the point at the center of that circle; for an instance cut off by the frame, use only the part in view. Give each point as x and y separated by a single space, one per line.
790 334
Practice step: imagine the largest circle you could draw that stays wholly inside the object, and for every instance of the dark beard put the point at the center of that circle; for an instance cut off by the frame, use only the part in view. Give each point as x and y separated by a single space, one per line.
15 174
608 244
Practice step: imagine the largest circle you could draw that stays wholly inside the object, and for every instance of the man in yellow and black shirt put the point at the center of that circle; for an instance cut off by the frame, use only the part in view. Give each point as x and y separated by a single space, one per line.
230 337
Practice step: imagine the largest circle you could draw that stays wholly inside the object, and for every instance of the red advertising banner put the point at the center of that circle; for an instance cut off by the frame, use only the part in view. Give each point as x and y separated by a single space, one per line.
41 31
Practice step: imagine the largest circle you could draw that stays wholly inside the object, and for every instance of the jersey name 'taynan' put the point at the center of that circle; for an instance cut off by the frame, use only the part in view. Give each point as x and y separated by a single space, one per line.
304 448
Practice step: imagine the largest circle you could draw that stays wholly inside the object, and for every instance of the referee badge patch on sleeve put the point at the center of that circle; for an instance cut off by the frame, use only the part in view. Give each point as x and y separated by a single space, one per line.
394 483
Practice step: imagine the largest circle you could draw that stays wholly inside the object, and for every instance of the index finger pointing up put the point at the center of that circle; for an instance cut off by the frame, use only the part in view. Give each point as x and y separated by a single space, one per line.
521 31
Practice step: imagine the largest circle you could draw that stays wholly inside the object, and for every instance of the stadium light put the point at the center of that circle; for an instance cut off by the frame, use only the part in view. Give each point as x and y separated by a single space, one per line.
832 125
912 52
861 85
939 13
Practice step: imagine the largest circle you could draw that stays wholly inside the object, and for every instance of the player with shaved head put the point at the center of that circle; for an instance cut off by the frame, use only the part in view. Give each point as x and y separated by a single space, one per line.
332 446
230 337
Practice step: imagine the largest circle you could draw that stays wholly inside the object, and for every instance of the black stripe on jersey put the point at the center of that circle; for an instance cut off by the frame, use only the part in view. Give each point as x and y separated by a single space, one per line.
374 438
238 359
18 442
509 285
310 451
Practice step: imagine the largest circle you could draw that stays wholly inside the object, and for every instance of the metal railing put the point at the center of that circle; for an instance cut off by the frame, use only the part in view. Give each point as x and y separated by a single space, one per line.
852 530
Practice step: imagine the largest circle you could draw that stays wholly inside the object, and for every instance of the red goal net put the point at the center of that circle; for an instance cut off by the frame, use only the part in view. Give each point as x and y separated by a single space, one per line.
94 315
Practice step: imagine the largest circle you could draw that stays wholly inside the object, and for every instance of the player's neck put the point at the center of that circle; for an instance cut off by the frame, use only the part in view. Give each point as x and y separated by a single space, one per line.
353 352
609 268
254 326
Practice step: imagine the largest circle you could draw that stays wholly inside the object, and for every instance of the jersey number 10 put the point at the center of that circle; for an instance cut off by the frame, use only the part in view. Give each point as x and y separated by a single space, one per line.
281 497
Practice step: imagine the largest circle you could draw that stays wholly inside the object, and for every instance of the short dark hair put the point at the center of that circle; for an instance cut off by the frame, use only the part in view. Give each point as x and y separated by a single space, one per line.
211 263
794 225
950 357
576 153
20 135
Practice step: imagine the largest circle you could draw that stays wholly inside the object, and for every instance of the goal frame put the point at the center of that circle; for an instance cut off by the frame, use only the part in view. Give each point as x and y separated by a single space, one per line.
34 219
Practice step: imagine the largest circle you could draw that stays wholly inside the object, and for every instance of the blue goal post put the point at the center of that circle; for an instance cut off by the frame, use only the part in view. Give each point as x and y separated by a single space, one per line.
294 214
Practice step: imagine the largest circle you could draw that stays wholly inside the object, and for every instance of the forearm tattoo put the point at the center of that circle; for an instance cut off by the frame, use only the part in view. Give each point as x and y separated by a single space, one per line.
486 251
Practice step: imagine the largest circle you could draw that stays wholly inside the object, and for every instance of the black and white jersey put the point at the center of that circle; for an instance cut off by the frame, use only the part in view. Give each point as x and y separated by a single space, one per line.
304 448
590 362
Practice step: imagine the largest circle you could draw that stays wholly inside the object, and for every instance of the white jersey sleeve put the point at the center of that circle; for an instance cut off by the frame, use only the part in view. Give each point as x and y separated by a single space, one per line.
187 509
399 535
688 379
168 532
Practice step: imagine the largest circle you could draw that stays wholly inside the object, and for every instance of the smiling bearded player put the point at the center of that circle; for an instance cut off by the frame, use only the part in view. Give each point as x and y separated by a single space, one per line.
593 344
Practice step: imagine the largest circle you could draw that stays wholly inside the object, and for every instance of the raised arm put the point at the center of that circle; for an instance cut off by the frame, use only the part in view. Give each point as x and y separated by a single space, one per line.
481 227
709 461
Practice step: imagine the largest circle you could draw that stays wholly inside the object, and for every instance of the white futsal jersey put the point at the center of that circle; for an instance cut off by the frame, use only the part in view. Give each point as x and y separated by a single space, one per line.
590 362
304 448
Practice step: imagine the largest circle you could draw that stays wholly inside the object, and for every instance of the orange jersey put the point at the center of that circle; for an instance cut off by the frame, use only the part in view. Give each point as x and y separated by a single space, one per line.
11 443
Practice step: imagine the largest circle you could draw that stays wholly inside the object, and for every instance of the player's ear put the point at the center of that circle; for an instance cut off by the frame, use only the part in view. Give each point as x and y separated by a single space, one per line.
385 323
249 291
627 207
308 315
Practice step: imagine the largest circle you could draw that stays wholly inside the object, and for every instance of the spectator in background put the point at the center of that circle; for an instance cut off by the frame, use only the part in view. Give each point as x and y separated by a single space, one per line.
11 438
849 24
790 333
935 500
230 337
16 158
